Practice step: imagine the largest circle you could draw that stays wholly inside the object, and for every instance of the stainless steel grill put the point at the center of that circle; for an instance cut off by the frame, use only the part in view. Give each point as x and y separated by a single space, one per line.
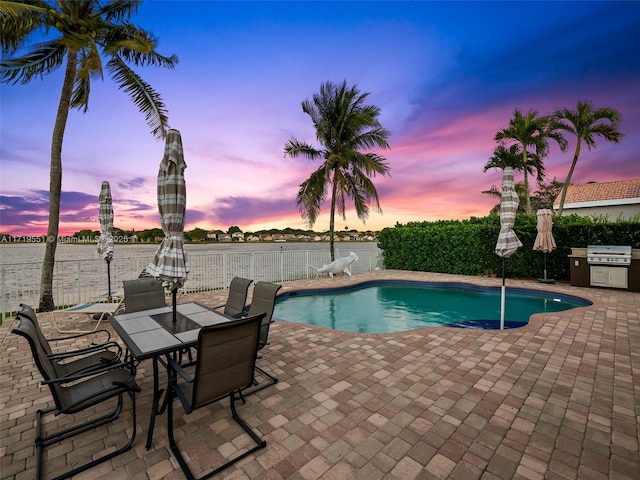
609 255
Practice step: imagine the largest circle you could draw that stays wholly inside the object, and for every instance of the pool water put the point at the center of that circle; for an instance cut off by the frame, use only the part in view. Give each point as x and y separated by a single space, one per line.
397 306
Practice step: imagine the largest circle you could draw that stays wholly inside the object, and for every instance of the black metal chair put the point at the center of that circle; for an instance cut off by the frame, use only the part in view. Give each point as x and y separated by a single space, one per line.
71 362
76 393
236 298
263 300
143 294
225 365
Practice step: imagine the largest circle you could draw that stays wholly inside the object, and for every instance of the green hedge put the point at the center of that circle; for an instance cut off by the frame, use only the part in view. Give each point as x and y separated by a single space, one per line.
466 247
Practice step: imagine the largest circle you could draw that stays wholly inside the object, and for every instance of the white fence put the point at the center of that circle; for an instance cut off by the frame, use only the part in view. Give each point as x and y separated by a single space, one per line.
77 281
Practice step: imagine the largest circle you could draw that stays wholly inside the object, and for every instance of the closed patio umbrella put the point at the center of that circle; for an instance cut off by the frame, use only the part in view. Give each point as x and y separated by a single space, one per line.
170 261
544 239
508 241
105 241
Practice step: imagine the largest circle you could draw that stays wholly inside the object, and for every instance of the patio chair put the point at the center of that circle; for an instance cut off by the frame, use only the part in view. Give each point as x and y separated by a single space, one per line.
115 294
74 394
263 300
236 298
71 362
225 365
143 294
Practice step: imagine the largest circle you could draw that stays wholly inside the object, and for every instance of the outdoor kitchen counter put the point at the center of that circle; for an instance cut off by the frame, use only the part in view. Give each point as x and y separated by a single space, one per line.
581 271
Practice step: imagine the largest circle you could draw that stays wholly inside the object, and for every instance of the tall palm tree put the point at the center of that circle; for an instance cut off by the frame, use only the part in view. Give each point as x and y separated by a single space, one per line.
531 131
587 122
80 33
344 125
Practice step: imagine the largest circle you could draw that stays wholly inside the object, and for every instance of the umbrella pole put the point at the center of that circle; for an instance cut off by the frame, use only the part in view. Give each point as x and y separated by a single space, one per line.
545 279
109 279
502 296
173 301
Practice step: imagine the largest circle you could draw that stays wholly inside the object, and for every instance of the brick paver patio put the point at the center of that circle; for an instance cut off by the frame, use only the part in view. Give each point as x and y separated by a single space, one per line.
557 399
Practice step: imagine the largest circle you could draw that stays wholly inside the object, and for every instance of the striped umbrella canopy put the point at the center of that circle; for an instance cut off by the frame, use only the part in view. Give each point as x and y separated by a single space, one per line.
105 216
105 240
508 241
170 261
544 239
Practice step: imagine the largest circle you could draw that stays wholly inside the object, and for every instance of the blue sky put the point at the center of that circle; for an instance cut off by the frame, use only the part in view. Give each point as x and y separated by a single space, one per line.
446 75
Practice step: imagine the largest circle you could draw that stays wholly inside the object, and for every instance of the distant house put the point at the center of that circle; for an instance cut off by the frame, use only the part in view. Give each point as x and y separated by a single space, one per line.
614 200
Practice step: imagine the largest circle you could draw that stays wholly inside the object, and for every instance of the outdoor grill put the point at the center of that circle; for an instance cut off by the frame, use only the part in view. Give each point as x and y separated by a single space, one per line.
609 265
609 255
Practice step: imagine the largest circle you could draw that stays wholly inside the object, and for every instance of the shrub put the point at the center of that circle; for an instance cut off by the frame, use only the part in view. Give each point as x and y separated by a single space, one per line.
466 247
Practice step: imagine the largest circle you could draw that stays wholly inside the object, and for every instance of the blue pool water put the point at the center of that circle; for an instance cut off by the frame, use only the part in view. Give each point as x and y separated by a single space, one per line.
397 306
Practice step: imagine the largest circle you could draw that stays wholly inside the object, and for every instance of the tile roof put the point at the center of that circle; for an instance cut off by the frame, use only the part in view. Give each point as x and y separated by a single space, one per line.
595 192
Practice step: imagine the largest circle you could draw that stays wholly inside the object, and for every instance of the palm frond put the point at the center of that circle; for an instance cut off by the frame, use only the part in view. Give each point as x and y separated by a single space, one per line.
119 10
42 60
356 189
89 65
295 148
18 21
311 195
144 97
137 46
12 9
81 90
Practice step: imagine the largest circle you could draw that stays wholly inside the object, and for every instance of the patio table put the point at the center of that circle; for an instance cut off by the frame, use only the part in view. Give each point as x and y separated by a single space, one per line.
152 334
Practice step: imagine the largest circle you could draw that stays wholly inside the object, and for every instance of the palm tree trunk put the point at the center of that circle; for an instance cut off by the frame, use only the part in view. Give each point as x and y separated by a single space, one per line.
527 202
568 181
332 219
55 184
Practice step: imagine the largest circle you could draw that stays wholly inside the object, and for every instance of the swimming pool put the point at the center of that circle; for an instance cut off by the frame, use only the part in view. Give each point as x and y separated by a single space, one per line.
397 306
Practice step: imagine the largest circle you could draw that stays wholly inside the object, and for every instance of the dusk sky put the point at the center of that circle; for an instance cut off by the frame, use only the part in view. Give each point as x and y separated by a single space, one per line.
446 76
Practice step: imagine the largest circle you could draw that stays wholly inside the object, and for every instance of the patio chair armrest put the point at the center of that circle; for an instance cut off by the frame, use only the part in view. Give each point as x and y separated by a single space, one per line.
176 367
91 349
117 388
80 335
92 373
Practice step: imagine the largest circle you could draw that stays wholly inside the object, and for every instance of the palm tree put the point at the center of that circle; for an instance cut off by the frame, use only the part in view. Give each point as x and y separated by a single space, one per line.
512 157
495 192
85 31
585 123
531 131
344 125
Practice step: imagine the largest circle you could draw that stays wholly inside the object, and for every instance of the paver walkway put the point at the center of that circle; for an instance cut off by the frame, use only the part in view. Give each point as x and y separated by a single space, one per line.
557 399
